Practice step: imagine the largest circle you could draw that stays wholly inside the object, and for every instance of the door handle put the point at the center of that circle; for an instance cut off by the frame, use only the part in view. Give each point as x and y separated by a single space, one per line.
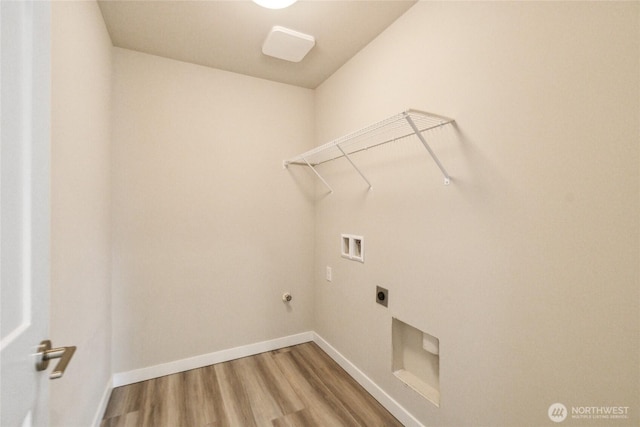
46 353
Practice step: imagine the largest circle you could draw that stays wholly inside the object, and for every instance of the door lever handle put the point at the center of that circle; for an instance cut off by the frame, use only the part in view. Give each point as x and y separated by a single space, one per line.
46 353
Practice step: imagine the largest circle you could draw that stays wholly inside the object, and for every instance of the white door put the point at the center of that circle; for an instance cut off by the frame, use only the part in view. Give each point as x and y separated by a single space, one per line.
24 208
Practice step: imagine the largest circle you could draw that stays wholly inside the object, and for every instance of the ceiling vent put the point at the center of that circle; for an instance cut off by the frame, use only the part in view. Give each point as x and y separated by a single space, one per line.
290 45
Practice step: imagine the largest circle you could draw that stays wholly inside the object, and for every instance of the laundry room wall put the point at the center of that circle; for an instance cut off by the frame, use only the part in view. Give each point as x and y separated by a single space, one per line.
208 229
526 266
80 299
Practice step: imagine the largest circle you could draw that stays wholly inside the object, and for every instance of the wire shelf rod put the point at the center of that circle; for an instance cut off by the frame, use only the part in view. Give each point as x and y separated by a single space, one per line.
318 175
447 178
354 166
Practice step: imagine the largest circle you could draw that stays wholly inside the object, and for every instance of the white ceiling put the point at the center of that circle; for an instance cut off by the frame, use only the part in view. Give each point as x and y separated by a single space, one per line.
228 35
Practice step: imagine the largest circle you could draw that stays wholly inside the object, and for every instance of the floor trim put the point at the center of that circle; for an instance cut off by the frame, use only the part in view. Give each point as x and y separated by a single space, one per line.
104 401
137 375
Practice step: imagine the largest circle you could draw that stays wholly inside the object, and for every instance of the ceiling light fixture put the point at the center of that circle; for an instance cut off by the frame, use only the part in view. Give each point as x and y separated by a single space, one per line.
274 4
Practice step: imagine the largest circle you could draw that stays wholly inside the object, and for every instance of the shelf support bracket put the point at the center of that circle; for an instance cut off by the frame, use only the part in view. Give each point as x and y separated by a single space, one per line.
447 178
354 165
318 175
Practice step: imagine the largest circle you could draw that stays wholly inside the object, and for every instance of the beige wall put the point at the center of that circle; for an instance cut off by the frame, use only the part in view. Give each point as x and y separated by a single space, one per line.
80 211
208 229
526 266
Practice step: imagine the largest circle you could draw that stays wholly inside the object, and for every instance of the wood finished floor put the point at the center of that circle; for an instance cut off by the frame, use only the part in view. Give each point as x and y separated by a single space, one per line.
297 386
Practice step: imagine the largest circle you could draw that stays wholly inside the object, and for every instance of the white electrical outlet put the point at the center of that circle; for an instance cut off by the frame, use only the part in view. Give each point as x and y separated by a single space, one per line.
328 274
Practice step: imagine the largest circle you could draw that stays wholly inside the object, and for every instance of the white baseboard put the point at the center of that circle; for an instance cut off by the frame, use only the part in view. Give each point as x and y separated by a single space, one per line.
367 383
104 401
137 375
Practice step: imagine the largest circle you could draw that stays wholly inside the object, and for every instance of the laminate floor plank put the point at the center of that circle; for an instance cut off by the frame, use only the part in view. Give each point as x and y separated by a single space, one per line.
199 401
126 420
116 405
360 404
325 408
261 401
213 396
299 418
234 396
123 400
278 386
297 386
154 402
178 409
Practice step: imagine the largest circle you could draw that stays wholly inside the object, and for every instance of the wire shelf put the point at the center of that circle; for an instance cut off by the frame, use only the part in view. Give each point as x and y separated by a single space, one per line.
407 123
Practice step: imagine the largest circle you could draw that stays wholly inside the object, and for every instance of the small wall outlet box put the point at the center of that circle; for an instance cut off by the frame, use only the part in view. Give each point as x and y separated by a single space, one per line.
352 247
382 296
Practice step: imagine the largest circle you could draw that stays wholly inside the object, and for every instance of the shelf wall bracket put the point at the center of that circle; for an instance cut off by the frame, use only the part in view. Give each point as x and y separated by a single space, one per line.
318 175
447 178
354 166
